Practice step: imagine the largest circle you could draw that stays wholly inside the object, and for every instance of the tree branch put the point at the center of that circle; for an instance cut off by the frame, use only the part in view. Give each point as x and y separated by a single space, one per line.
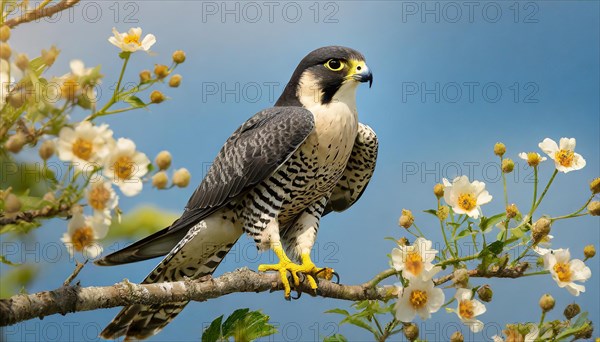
75 298
31 215
41 13
68 299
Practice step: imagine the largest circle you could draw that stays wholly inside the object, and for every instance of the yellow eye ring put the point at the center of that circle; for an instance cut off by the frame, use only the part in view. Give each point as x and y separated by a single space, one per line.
334 64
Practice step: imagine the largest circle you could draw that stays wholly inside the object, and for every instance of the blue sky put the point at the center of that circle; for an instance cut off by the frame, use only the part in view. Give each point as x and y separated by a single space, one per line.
450 80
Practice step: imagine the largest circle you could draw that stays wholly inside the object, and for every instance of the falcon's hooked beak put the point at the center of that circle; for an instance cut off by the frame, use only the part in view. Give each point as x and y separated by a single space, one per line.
360 72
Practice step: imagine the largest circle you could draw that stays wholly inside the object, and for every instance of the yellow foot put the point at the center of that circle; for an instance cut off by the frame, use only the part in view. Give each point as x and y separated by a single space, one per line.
307 268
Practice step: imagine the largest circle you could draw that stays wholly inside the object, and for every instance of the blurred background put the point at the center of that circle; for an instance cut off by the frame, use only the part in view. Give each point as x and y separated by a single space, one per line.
450 80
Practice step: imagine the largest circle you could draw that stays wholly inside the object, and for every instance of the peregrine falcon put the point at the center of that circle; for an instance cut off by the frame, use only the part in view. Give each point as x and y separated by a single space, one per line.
274 178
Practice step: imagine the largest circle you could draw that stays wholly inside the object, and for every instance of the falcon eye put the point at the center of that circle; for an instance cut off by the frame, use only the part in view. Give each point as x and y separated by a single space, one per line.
334 65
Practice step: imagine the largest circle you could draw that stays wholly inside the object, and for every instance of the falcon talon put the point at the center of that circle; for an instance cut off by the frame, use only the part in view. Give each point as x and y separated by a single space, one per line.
312 133
337 277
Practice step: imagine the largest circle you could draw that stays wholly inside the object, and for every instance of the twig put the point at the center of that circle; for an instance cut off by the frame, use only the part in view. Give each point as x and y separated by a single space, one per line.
41 13
75 273
31 215
508 272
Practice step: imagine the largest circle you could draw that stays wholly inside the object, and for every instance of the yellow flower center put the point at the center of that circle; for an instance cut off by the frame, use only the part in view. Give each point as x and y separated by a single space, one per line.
565 157
418 298
69 87
98 197
83 148
563 271
533 159
82 237
132 38
414 263
467 201
124 167
466 309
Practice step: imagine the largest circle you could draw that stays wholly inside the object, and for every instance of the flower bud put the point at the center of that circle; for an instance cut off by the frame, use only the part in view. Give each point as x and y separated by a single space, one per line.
460 277
160 180
178 56
49 197
403 241
585 333
161 71
46 149
540 229
595 186
406 219
508 165
457 337
594 208
547 302
17 98
181 178
145 76
157 97
539 262
499 149
589 251
442 212
438 190
5 51
411 331
16 142
512 211
76 209
163 160
175 81
485 293
22 61
49 56
4 33
571 310
12 204
533 159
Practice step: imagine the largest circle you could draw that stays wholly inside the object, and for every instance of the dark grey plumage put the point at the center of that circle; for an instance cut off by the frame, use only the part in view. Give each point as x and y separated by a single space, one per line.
274 178
252 153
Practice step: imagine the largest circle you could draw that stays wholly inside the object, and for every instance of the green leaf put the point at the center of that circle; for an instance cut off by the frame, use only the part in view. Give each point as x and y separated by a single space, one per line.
487 223
213 332
15 279
253 326
359 323
581 319
242 325
464 233
141 221
494 248
135 102
335 338
431 211
228 325
338 311
517 232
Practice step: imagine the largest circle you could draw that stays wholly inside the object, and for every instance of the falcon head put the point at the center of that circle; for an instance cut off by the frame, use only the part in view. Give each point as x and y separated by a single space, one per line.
324 75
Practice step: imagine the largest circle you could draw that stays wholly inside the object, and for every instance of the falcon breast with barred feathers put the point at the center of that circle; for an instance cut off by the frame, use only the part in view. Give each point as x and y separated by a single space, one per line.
274 178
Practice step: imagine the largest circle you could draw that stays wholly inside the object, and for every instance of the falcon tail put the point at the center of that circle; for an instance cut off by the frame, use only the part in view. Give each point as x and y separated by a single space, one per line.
198 254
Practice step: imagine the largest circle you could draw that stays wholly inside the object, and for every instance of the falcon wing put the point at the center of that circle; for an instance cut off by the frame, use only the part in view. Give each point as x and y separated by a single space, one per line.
252 153
358 171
